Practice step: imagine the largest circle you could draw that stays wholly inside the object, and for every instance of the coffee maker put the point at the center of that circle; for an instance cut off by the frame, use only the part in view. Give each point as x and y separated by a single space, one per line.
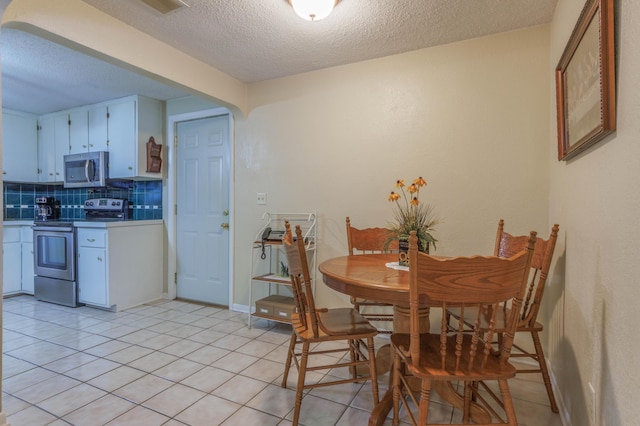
47 208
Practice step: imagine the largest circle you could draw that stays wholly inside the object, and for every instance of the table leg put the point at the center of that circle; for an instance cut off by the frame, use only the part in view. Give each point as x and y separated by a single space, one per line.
401 324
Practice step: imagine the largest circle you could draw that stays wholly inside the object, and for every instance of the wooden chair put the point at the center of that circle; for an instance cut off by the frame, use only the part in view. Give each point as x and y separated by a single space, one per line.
506 246
370 241
460 356
315 326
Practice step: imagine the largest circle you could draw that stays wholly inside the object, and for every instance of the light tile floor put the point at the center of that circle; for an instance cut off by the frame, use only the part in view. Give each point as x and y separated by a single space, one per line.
175 363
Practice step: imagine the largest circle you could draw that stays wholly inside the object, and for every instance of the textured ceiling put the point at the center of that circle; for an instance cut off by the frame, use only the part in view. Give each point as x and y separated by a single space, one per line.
252 40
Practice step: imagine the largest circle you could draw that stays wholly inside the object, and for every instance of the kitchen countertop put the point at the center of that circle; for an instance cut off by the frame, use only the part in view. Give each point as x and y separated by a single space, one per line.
17 222
90 224
116 224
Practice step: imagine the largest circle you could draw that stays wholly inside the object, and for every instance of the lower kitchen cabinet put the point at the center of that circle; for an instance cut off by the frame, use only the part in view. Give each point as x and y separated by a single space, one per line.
17 255
92 273
120 264
12 261
26 237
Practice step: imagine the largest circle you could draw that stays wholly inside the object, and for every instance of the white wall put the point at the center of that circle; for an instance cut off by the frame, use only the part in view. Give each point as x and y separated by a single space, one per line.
595 198
471 118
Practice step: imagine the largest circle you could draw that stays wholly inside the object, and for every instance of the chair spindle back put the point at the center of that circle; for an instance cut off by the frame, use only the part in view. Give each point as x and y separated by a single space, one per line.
507 245
297 262
485 282
369 240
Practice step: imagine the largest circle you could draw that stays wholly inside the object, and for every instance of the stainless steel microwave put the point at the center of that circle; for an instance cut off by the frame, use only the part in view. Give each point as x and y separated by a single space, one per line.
87 169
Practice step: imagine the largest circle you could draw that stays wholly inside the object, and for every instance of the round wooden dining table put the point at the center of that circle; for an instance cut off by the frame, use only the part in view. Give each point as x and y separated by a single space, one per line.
368 276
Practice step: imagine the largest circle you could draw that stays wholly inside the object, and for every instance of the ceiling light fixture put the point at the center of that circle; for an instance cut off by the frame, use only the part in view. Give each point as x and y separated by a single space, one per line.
313 10
165 6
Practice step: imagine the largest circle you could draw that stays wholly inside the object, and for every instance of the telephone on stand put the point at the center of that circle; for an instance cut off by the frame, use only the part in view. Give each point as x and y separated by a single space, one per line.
265 236
269 235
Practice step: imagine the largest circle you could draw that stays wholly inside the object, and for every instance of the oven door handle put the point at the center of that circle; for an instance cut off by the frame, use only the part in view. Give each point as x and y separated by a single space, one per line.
52 228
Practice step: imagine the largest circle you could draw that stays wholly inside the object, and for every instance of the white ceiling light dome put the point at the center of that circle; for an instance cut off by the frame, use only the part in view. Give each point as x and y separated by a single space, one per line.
313 10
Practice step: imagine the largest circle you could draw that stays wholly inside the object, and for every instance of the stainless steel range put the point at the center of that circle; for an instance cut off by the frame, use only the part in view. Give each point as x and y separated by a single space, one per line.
54 259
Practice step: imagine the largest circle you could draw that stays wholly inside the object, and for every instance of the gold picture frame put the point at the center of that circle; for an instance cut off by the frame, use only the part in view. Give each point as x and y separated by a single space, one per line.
585 81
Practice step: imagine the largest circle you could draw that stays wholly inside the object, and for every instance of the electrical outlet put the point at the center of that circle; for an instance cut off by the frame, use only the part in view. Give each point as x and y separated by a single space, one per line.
592 398
261 198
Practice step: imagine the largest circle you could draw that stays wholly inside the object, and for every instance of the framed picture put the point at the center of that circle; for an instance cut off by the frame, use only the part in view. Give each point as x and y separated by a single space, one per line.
585 81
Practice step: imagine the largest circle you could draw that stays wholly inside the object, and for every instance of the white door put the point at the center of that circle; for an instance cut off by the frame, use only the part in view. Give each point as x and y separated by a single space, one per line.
202 195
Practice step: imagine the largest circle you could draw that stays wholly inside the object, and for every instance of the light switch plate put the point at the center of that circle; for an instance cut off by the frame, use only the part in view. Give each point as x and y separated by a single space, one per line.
261 198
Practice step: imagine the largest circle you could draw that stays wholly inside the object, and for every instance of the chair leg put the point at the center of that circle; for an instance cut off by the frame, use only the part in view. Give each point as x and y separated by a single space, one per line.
544 370
425 398
290 355
352 353
397 390
509 410
301 373
466 408
372 370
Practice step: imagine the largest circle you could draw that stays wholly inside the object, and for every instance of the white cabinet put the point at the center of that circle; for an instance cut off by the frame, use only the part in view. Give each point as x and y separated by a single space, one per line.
92 267
26 238
19 146
123 139
78 130
119 263
98 128
53 144
270 288
12 260
17 253
123 127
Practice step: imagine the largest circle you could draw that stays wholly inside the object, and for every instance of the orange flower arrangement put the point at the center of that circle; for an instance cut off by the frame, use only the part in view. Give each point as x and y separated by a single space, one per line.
412 215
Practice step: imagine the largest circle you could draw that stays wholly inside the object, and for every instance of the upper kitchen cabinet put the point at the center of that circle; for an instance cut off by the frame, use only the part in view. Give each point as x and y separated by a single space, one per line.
98 128
53 145
19 146
123 127
78 130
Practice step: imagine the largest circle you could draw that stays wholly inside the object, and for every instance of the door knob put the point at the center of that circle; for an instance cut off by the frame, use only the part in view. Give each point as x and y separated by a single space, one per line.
225 212
224 225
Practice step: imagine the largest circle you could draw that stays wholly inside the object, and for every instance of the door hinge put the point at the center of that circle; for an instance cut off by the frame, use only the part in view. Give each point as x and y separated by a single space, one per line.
175 278
175 209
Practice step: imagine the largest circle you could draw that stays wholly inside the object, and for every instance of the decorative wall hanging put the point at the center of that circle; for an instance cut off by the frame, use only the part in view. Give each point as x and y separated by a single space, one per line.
154 156
585 81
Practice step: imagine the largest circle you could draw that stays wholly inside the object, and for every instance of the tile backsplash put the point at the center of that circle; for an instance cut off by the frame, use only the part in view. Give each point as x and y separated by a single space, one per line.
145 199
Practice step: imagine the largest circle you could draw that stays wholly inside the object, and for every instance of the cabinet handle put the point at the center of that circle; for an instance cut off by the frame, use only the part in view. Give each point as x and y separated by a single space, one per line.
91 239
4 173
99 259
84 146
130 168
